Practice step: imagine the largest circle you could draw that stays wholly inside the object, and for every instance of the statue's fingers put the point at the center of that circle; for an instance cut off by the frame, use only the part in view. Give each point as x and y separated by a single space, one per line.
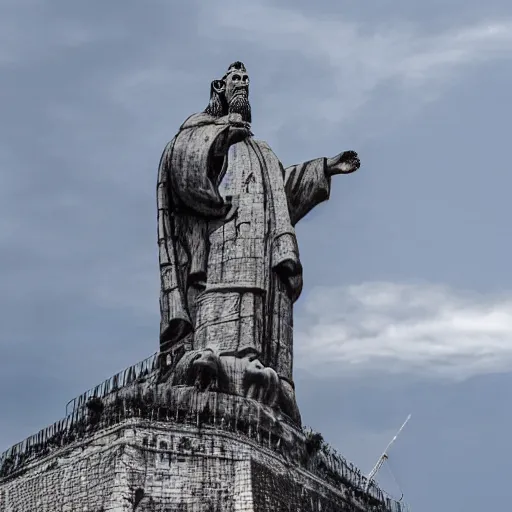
349 155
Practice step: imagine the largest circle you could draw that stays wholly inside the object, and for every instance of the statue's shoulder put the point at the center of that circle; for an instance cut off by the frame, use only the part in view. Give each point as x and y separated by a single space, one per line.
196 120
261 144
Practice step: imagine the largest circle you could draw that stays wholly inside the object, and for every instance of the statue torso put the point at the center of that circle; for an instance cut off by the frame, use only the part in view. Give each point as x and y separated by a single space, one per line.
239 248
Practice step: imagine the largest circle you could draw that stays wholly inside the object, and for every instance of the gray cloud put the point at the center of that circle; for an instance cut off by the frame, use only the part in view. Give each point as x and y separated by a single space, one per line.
91 92
417 329
350 62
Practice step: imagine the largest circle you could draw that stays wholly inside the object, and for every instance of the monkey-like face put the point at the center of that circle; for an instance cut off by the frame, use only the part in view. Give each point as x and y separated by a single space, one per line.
237 82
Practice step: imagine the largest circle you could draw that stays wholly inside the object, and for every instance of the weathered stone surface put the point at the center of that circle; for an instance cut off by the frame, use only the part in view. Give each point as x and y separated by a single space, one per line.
229 259
151 466
95 462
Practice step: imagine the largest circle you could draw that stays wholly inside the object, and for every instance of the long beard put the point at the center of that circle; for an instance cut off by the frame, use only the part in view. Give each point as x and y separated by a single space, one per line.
239 104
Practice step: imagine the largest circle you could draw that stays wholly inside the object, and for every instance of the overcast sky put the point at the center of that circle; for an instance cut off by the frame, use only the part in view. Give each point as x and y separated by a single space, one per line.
407 306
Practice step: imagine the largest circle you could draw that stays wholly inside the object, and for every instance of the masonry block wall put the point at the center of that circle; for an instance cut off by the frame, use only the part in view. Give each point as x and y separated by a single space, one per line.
72 479
142 466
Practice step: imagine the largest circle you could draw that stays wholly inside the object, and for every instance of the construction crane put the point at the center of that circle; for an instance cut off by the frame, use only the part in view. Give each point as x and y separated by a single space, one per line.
384 456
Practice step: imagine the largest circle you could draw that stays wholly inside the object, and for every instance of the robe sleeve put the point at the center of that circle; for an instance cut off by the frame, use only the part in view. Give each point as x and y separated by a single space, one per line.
175 321
306 186
194 168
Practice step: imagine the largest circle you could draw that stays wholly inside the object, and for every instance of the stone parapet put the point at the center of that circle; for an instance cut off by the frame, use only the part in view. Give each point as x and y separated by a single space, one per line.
81 459
144 465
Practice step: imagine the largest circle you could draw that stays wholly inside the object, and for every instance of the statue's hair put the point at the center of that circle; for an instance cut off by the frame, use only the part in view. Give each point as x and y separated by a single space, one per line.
235 66
218 106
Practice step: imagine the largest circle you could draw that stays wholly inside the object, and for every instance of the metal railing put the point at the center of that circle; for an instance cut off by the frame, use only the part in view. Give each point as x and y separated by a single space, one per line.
327 463
117 381
76 411
333 466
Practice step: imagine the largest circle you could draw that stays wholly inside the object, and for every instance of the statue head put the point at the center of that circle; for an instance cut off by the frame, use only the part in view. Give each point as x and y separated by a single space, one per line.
230 95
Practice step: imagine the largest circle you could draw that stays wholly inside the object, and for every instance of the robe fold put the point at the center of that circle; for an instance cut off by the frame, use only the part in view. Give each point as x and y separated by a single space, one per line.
187 197
248 267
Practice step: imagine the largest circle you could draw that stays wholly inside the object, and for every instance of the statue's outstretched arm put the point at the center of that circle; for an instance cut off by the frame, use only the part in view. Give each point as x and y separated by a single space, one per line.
309 184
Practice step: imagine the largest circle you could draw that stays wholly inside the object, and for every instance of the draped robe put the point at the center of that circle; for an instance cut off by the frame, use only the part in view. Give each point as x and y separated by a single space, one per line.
247 269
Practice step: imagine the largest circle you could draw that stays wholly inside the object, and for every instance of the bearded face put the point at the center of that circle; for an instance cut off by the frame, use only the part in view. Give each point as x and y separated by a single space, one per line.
231 94
237 94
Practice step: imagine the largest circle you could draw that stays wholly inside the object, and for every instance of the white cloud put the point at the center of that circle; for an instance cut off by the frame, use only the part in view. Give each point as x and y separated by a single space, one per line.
359 58
421 329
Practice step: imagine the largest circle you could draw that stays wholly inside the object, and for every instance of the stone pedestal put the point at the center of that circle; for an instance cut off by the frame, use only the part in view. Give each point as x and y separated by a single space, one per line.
140 465
151 446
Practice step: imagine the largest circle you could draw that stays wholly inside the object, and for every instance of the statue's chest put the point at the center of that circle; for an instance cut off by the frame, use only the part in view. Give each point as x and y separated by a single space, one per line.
238 247
245 179
244 173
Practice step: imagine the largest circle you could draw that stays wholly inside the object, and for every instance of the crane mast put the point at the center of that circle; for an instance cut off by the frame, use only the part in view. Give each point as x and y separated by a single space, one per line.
384 456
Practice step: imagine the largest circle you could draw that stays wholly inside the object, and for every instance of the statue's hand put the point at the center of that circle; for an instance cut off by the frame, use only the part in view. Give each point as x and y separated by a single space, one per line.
344 163
232 119
238 131
235 119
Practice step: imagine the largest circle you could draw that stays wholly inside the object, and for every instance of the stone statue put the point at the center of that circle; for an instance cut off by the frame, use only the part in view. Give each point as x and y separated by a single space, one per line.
229 261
